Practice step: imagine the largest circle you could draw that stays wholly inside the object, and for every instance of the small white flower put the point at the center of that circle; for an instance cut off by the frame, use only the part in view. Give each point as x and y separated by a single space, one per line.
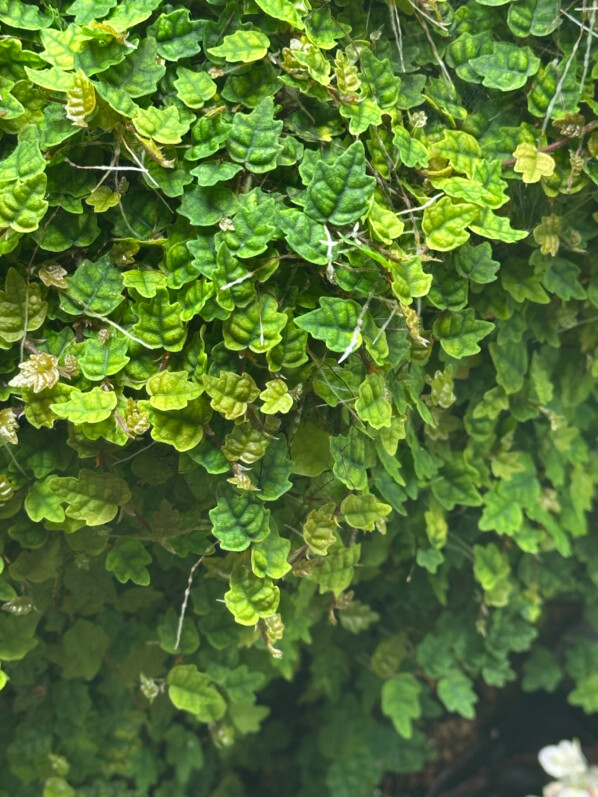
563 759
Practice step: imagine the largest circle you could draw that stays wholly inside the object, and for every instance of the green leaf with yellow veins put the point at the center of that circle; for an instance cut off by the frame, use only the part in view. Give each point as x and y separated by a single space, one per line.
448 291
194 88
346 73
485 188
195 297
230 393
373 405
93 406
26 160
444 223
250 598
531 164
95 286
100 359
489 225
461 150
459 333
409 280
276 398
182 429
385 225
127 559
456 692
401 703
239 518
163 125
291 351
320 529
129 13
475 263
86 12
176 34
361 115
42 502
242 45
246 443
508 66
379 81
322 30
256 327
159 324
192 691
339 193
533 17
290 11
60 46
364 511
335 572
335 322
21 307
146 283
10 107
550 80
463 49
80 100
92 497
171 390
52 79
269 558
102 199
254 139
350 459
272 472
303 235
303 60
22 204
207 206
23 15
139 73
117 98
37 406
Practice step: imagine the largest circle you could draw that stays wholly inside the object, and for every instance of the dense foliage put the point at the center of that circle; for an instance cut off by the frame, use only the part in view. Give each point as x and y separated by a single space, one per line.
298 396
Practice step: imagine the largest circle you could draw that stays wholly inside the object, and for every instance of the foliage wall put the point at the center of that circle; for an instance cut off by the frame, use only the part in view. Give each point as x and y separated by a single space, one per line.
298 398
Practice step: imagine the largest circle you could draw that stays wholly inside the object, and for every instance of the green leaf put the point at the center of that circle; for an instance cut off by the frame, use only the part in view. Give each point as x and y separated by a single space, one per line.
304 236
23 15
26 160
207 206
373 405
231 393
533 17
242 45
585 694
461 150
490 565
508 66
456 692
194 88
400 702
22 204
380 82
254 138
183 428
335 572
489 225
159 324
338 193
269 558
460 332
58 787
238 518
93 406
511 363
139 73
444 223
409 280
42 502
319 529
256 327
211 172
95 286
129 13
127 560
250 598
285 10
164 125
17 636
364 511
92 497
192 691
84 645
531 164
548 81
177 36
276 398
475 263
21 307
335 322
411 151
361 115
100 359
171 390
